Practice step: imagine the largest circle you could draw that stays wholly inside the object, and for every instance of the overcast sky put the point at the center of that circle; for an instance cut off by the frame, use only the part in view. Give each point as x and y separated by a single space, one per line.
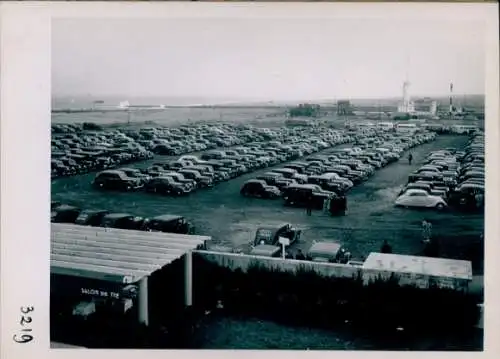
266 59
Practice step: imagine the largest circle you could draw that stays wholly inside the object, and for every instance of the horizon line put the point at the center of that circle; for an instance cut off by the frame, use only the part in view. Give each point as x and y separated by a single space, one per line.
333 98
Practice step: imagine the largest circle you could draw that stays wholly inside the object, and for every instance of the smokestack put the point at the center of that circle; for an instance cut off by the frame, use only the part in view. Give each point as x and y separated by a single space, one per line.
451 97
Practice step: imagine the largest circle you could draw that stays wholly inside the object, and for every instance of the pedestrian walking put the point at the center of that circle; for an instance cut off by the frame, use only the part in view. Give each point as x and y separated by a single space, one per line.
410 158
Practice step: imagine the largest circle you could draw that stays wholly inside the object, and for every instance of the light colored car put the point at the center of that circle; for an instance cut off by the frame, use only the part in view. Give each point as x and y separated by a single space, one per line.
420 198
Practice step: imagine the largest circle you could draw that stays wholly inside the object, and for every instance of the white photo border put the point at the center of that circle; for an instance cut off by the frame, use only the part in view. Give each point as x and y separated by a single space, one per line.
25 80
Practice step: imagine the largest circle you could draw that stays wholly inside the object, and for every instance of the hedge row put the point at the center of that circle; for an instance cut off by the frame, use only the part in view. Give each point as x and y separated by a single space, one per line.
307 299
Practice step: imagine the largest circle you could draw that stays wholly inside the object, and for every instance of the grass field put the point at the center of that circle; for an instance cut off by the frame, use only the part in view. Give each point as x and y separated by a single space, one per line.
253 334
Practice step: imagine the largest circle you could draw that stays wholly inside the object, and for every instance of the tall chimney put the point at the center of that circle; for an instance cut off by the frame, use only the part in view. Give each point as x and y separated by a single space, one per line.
451 97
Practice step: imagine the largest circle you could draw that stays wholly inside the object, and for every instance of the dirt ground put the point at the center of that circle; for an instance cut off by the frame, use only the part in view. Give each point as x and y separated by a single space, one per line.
232 220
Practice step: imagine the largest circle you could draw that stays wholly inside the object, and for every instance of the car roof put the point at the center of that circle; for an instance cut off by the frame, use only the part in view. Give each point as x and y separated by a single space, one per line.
273 228
65 207
325 247
118 215
265 249
255 181
94 211
415 190
166 217
111 171
305 186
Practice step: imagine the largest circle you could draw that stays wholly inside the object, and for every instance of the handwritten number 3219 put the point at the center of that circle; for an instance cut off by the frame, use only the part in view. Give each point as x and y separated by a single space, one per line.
24 338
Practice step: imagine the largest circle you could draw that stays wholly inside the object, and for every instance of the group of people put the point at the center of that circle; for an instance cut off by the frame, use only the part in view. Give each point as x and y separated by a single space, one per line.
298 256
431 248
334 205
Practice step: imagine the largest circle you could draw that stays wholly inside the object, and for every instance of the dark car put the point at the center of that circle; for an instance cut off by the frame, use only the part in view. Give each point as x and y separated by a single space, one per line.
276 179
116 180
170 224
123 221
307 195
465 196
328 252
136 173
326 184
64 214
91 217
259 189
270 234
166 185
202 181
54 205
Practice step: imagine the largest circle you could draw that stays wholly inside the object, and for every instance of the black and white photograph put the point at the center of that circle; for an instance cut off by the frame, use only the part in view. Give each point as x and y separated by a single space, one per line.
266 182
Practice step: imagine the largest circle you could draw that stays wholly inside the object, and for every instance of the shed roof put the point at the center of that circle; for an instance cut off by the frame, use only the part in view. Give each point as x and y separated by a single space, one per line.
116 255
438 267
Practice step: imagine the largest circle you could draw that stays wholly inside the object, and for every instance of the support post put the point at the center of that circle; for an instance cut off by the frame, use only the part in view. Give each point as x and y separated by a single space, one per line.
143 301
188 279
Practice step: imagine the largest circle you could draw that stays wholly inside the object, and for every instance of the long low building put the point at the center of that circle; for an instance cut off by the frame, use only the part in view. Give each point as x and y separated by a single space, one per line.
420 271
92 264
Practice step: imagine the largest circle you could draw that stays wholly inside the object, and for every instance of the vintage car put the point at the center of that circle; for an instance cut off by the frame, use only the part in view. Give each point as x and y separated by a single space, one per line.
259 189
466 194
116 180
54 205
328 252
168 186
307 195
170 224
123 221
424 186
270 234
136 173
266 250
91 217
425 176
421 199
64 214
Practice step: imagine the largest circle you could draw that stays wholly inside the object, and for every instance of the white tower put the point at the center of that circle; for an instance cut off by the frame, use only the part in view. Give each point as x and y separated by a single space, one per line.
406 105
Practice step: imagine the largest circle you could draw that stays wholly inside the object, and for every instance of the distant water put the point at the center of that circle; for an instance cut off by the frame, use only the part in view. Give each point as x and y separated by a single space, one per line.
108 101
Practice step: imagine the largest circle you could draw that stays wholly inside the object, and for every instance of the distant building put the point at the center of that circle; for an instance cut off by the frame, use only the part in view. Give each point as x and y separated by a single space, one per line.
344 107
425 105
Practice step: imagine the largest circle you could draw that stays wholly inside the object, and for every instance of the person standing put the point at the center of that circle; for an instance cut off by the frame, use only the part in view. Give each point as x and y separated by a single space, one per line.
410 158
300 255
343 200
309 205
426 231
386 247
479 199
326 204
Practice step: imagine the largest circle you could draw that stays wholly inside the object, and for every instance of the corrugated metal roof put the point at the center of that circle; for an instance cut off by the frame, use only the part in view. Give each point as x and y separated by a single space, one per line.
438 267
116 255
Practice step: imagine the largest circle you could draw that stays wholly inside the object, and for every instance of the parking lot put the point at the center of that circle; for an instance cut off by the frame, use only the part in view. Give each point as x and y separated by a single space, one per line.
232 220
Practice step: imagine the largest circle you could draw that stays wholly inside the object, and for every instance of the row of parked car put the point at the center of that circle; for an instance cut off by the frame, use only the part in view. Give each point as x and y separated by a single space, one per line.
468 193
64 213
189 172
330 175
448 178
76 151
